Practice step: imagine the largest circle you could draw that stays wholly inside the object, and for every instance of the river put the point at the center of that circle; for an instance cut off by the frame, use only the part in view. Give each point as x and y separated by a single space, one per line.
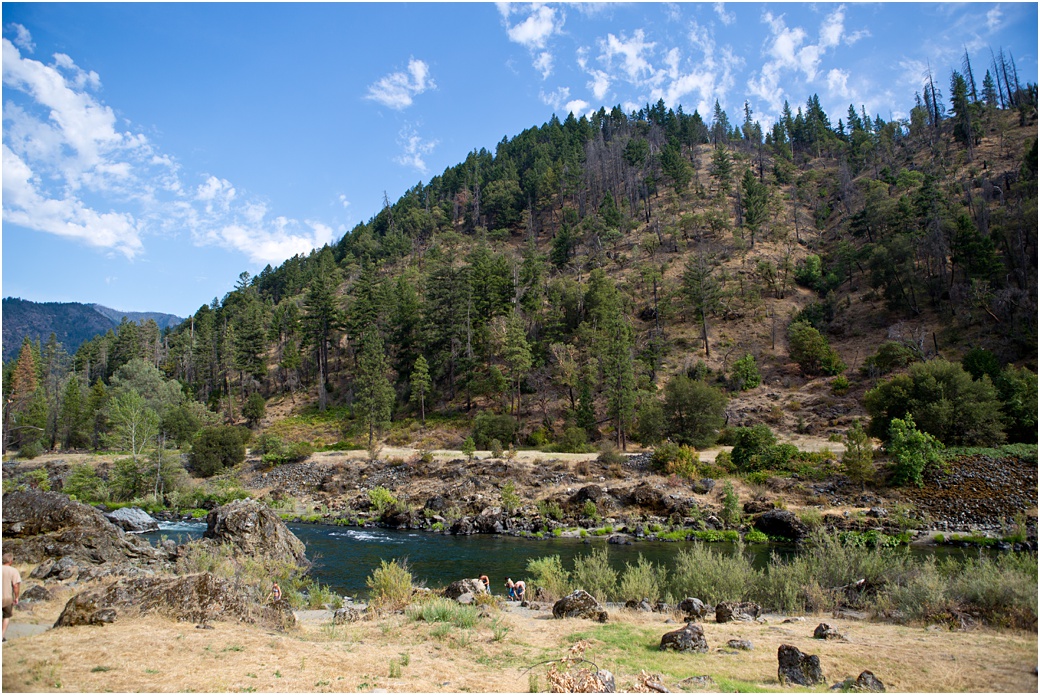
344 557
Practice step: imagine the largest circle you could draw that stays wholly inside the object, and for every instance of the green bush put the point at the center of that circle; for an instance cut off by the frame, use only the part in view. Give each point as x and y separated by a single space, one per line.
980 362
217 448
38 479
650 424
550 510
30 450
809 272
390 585
840 385
642 580
275 451
488 426
85 484
913 451
891 355
694 411
510 499
749 444
574 440
745 373
594 574
858 458
254 409
1017 389
731 511
671 458
944 401
812 352
548 574
382 500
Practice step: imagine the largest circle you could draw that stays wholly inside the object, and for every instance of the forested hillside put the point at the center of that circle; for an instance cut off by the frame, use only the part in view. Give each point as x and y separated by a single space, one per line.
632 277
71 322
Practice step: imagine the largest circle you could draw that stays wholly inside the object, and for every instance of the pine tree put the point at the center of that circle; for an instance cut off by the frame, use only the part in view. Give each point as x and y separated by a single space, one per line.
517 354
321 319
420 383
755 203
701 288
374 392
619 375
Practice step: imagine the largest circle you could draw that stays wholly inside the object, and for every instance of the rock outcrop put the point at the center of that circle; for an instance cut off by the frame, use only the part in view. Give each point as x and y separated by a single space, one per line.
797 668
40 526
580 604
196 598
461 588
133 520
781 523
689 639
693 609
255 531
825 631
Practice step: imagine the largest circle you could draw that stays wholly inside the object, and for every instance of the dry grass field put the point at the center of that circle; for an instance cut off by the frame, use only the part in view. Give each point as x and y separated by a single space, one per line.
401 654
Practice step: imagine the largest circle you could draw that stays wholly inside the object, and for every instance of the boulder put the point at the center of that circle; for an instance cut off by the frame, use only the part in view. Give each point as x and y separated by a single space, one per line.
461 587
133 520
196 598
693 608
689 639
728 611
36 592
619 539
580 604
782 523
40 526
825 631
644 605
255 531
490 520
742 644
462 527
703 486
797 668
868 682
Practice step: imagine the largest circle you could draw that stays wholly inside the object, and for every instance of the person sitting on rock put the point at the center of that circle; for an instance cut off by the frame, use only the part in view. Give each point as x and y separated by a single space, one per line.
520 590
512 589
276 593
486 582
12 582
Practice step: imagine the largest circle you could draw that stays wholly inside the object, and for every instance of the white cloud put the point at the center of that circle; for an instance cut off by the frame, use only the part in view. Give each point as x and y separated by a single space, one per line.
544 64
398 89
578 107
22 38
631 51
838 82
343 200
556 98
414 149
726 18
534 32
994 19
833 28
65 162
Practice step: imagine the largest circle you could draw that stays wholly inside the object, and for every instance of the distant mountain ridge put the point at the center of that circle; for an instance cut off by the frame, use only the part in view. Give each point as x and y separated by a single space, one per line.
72 322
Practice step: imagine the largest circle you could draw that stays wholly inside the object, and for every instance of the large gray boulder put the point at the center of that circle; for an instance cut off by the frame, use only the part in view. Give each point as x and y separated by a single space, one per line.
687 640
254 531
580 604
198 598
133 520
693 608
781 523
462 587
40 526
797 668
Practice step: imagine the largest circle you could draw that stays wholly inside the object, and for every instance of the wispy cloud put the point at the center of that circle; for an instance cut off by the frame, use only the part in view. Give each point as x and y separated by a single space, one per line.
398 89
71 171
414 149
726 18
539 23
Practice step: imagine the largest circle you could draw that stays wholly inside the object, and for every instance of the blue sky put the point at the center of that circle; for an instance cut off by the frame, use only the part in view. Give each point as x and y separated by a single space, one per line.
152 152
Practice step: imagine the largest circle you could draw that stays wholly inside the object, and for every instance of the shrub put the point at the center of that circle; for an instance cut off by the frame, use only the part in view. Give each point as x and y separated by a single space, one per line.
811 351
254 409
713 576
574 440
469 448
980 362
510 499
390 585
30 450
609 455
85 484
749 445
809 272
550 510
590 511
731 511
275 451
694 411
217 448
496 448
488 426
1017 388
382 499
858 459
650 424
672 458
594 574
642 580
547 573
891 355
912 450
944 402
840 385
38 479
745 374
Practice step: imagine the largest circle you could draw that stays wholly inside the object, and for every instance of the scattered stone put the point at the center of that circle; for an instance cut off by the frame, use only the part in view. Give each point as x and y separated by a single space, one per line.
732 610
798 668
255 531
693 608
606 679
36 592
133 520
870 683
742 644
698 681
825 631
794 620
703 486
877 513
580 604
347 614
689 639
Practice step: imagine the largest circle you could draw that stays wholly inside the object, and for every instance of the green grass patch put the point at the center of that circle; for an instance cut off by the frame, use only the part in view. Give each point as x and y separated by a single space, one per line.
1027 452
715 536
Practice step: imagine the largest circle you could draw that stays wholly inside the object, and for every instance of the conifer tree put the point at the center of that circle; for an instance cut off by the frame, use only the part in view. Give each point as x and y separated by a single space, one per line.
420 383
374 392
517 354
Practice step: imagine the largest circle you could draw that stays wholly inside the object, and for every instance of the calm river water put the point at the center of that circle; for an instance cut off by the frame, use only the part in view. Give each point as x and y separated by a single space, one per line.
344 557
